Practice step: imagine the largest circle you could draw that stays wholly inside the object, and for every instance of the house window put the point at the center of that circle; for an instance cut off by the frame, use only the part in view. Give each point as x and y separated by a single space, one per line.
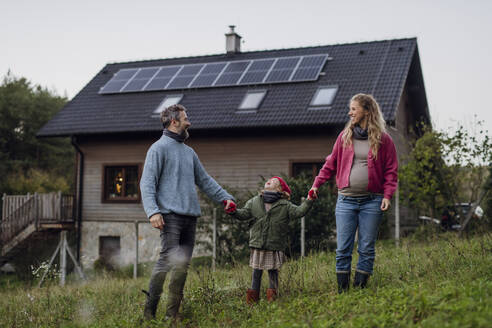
168 101
109 250
121 183
252 100
324 96
310 169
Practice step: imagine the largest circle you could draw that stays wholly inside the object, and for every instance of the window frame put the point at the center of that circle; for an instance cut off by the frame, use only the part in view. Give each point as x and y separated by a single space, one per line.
103 253
104 189
322 87
252 109
305 161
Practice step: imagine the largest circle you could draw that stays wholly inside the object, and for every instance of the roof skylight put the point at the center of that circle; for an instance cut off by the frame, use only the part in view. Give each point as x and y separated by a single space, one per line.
324 96
252 100
168 101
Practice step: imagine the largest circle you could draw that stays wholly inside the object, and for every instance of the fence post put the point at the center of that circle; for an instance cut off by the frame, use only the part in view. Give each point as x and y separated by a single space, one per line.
135 265
397 217
214 238
63 257
36 210
58 208
4 203
303 228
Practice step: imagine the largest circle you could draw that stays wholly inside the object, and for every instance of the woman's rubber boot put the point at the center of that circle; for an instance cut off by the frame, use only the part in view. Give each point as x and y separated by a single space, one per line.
252 296
343 280
360 279
271 294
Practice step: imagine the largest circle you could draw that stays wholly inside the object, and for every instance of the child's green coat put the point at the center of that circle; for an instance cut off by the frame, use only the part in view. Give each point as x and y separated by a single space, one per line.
270 229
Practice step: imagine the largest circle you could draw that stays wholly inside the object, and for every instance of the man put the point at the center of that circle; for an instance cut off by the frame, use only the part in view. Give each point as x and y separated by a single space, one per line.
169 197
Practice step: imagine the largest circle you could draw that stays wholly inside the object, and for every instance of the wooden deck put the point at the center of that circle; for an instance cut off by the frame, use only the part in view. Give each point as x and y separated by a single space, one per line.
24 215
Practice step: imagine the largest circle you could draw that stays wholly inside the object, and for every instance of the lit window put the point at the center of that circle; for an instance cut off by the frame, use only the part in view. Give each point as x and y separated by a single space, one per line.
324 96
121 183
252 100
168 101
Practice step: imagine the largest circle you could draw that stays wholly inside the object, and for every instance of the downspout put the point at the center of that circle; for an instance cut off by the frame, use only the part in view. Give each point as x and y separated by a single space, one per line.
79 194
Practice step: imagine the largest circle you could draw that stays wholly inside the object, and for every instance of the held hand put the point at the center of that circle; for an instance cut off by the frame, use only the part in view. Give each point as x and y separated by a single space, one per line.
157 221
229 206
313 193
385 204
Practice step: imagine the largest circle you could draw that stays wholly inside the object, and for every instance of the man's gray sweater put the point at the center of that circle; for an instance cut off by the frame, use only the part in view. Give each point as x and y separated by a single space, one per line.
171 171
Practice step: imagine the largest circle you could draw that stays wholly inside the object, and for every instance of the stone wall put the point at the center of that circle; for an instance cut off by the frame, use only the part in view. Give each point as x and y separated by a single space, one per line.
148 242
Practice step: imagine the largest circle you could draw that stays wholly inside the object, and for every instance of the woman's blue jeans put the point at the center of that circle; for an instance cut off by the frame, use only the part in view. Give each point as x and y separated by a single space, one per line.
352 213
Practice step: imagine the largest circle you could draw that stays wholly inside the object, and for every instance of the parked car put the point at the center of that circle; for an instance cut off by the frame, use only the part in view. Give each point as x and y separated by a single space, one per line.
464 208
452 218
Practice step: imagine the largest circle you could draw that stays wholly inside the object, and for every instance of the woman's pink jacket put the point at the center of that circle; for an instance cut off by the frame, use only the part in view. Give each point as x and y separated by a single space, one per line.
382 172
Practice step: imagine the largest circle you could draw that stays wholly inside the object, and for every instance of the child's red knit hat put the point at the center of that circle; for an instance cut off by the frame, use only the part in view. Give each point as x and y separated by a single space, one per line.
285 186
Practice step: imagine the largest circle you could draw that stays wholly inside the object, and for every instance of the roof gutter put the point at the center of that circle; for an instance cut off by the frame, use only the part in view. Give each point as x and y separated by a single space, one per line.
79 194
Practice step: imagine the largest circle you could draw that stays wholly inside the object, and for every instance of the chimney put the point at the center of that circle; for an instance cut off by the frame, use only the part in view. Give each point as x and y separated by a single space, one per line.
233 41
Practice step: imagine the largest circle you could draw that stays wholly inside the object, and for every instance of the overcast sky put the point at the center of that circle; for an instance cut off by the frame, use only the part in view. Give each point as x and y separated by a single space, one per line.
62 44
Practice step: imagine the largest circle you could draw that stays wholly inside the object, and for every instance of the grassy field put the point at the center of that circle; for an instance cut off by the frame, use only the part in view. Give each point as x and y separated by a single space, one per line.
440 281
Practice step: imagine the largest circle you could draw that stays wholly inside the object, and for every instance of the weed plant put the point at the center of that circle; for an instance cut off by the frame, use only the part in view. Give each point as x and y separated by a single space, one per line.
427 281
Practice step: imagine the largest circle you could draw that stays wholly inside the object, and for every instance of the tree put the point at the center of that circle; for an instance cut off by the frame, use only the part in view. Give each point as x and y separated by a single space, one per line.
424 179
24 109
445 168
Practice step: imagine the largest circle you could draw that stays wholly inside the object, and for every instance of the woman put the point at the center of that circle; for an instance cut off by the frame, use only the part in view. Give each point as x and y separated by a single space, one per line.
365 164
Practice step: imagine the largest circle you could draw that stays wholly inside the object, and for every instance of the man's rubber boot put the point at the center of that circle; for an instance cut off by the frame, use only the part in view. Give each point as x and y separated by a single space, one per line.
175 296
343 280
150 306
173 303
252 296
154 294
360 279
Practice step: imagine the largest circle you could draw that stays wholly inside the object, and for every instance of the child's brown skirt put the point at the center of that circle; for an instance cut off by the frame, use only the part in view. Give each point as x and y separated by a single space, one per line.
266 260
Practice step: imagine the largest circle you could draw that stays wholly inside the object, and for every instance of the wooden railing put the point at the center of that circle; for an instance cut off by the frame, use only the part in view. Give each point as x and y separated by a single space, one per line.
19 211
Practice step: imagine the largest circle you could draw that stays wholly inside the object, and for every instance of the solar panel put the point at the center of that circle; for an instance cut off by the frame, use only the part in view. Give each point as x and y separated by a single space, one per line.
282 70
309 68
184 77
162 78
244 72
232 73
140 79
119 80
257 71
208 75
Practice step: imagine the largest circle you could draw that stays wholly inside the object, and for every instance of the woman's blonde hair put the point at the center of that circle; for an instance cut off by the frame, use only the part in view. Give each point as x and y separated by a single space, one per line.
375 123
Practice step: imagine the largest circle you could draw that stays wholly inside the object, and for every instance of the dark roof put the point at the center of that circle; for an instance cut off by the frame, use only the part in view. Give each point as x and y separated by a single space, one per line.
379 68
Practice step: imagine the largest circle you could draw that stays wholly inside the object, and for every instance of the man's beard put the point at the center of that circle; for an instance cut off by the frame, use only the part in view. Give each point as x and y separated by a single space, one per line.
184 134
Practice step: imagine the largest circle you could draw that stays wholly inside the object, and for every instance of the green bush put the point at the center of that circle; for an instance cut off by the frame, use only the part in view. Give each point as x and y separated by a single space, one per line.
319 221
233 235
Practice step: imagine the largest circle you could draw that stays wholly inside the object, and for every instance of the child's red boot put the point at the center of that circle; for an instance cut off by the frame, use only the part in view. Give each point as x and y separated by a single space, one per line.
271 294
252 296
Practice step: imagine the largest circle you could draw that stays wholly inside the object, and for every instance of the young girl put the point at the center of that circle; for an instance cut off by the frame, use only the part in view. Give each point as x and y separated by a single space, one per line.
272 211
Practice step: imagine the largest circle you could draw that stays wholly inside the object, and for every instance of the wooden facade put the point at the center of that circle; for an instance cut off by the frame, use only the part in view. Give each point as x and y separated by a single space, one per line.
239 162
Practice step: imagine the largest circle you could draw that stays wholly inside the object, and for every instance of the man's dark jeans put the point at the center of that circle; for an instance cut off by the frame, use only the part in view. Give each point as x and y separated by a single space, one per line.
177 241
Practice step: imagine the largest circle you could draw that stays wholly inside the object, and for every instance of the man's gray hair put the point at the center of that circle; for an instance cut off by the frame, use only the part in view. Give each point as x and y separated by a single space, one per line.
171 113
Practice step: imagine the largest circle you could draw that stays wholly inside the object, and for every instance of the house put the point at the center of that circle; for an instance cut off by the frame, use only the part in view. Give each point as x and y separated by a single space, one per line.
253 114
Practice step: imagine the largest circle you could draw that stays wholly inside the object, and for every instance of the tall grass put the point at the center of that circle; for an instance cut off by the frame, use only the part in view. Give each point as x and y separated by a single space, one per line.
440 281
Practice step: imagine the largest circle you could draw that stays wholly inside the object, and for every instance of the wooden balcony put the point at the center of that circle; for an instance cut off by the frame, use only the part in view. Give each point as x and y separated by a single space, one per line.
24 215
